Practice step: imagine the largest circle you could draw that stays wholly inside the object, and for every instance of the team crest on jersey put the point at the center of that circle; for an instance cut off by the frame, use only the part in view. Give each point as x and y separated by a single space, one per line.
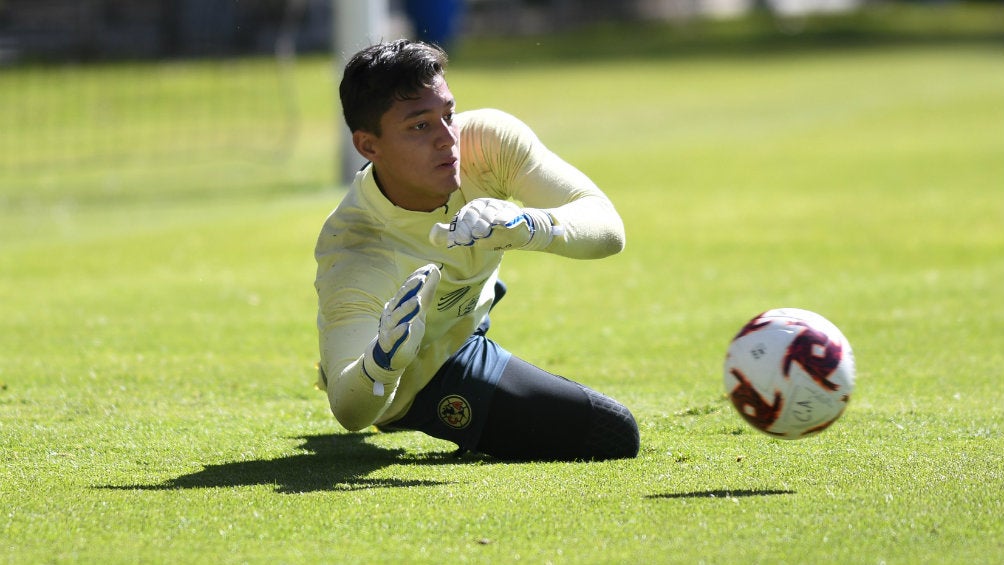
455 411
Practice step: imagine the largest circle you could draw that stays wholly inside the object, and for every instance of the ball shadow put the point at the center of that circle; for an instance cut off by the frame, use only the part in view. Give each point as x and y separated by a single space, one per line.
722 493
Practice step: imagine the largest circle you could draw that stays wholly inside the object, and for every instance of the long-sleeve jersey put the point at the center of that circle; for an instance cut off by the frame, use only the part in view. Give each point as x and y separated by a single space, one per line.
368 246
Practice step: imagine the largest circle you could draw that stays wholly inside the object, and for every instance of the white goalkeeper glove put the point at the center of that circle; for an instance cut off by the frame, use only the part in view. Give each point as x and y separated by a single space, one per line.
402 326
498 225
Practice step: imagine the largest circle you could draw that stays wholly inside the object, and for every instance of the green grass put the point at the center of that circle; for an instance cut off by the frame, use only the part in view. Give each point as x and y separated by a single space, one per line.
157 339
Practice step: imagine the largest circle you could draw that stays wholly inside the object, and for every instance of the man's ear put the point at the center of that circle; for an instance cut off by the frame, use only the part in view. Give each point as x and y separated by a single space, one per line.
365 143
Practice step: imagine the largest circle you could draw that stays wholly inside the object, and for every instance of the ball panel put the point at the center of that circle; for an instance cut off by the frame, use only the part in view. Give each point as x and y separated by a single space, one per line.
754 406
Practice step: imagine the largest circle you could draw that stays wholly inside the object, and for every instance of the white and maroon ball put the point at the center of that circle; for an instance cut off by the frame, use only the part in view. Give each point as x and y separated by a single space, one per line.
789 372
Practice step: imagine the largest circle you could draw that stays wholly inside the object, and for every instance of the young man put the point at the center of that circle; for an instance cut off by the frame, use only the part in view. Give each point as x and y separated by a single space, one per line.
407 269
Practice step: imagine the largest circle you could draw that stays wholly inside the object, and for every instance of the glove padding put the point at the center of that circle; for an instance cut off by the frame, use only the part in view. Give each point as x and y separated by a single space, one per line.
495 224
401 328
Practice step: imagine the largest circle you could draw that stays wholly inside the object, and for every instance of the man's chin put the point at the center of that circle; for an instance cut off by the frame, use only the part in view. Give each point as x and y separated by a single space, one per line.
452 186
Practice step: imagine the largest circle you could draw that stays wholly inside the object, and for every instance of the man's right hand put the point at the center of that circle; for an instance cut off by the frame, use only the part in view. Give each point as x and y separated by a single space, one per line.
401 329
498 225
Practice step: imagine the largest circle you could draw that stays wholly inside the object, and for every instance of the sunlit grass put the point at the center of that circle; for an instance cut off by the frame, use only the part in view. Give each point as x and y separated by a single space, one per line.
157 339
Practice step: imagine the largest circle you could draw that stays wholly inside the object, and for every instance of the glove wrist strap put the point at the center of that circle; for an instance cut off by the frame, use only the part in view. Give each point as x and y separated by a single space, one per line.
543 229
380 377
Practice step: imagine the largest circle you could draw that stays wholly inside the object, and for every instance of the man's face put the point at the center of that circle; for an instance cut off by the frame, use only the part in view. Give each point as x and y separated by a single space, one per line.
416 157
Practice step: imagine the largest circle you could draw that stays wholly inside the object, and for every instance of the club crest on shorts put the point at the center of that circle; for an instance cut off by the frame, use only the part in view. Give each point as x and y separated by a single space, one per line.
455 411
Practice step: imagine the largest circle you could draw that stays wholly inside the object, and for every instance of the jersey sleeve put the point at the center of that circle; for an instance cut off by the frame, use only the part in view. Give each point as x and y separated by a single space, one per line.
351 297
510 162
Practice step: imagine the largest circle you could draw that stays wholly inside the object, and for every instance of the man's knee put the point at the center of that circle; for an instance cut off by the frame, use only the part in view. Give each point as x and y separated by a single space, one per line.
613 431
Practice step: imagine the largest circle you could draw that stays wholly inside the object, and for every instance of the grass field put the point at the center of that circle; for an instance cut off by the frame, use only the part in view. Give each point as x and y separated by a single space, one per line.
157 338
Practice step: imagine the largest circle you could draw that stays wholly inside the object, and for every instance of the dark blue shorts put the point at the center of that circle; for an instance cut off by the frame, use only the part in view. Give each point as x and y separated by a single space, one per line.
454 405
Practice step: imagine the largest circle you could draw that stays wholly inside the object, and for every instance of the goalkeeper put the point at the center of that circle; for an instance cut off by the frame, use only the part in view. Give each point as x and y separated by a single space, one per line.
407 269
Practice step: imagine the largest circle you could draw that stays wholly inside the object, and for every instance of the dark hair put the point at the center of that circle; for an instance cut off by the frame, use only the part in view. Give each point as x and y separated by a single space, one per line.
380 74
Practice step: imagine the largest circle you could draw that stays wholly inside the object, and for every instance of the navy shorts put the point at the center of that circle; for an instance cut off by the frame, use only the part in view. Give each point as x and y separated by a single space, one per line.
454 405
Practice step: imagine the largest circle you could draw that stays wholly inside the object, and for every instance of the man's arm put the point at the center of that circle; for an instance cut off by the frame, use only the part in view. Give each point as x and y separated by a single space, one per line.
363 357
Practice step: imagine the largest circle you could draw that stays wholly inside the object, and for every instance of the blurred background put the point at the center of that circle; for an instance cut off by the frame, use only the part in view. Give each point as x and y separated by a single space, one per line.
121 93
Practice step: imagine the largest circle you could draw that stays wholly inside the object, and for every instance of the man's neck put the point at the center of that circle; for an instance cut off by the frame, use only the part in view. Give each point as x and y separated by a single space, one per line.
405 203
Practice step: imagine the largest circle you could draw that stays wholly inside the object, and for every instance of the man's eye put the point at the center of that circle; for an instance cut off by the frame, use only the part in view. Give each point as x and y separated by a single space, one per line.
420 126
449 117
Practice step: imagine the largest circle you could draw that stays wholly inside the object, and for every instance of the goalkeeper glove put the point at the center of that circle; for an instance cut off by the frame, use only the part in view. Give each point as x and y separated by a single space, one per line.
499 225
401 328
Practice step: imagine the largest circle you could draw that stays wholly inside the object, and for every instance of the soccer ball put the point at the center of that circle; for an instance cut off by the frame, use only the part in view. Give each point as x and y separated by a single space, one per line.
789 373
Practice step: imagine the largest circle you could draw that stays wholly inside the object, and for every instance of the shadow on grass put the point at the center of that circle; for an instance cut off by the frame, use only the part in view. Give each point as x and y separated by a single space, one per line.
333 462
742 493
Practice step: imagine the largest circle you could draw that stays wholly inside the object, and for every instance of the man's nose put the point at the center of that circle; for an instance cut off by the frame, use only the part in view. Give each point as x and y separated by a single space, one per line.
447 135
